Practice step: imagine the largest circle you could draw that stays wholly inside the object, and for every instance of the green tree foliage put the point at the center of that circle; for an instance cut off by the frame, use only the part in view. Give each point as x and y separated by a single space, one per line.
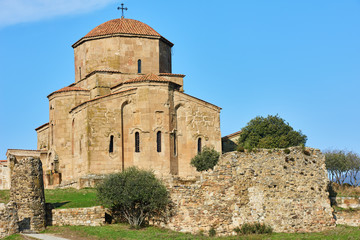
205 160
342 164
270 132
136 194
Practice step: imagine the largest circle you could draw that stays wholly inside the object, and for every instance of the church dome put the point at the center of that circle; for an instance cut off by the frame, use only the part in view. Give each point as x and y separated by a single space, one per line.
122 25
116 27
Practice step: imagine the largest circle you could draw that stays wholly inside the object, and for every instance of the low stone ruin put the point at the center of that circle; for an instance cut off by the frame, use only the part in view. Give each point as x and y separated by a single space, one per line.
26 210
286 191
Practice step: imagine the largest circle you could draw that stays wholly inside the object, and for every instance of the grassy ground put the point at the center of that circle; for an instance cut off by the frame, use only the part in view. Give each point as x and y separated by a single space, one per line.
122 231
4 196
64 198
71 198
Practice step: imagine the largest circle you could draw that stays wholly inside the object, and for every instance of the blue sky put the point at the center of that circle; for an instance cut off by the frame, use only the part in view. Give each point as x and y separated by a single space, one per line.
298 59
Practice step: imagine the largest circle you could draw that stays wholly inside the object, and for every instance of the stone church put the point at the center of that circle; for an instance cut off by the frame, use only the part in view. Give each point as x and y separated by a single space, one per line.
125 108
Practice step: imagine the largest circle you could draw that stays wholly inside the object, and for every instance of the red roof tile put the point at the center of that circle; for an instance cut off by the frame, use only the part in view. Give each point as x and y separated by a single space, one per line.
41 126
172 75
68 89
150 77
147 77
122 25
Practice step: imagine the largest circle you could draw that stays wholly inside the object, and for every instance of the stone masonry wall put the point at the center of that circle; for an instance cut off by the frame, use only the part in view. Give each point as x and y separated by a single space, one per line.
8 219
27 191
91 216
285 191
350 218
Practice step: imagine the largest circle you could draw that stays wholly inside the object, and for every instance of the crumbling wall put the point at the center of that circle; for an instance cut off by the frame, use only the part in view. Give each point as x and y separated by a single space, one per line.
285 191
27 191
8 219
90 216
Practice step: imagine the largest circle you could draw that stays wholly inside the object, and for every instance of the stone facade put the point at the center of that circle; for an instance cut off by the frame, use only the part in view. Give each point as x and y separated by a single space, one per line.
27 191
124 109
91 216
285 191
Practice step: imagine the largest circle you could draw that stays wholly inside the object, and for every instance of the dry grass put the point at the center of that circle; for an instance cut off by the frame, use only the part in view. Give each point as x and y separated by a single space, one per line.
344 190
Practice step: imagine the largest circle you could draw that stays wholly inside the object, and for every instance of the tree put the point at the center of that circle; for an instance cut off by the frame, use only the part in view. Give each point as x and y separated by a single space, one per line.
270 132
136 194
342 164
354 160
205 160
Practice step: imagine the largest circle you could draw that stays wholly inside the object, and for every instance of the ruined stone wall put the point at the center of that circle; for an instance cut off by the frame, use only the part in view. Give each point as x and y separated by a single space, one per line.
8 219
4 175
91 216
27 191
285 191
350 218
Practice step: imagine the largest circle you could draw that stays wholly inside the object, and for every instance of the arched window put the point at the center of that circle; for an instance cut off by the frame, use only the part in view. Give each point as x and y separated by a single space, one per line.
73 137
199 145
158 141
139 66
137 142
52 134
174 144
111 144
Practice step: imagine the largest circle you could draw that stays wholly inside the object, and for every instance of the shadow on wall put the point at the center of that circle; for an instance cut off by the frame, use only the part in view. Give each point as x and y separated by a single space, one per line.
24 225
228 145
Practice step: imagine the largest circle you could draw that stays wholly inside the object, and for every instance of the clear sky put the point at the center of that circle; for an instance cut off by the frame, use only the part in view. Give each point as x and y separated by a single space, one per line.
299 59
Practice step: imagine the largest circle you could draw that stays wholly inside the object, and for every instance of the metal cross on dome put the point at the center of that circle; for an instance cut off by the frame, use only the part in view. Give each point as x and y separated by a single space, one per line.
122 10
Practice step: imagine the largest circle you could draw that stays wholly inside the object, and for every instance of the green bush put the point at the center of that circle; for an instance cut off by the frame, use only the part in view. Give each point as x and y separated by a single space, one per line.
270 132
253 228
136 194
286 151
240 149
212 232
205 160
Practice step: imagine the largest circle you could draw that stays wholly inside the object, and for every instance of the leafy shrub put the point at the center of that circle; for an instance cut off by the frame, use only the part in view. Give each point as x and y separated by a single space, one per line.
136 194
286 151
205 160
270 132
212 232
240 149
253 228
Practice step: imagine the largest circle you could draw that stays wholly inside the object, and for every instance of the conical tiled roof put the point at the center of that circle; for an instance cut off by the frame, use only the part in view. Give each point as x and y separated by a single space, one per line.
122 25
